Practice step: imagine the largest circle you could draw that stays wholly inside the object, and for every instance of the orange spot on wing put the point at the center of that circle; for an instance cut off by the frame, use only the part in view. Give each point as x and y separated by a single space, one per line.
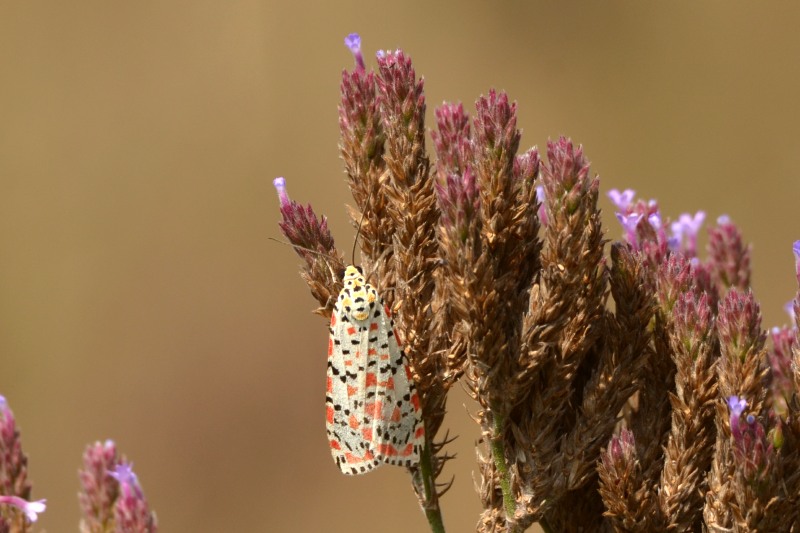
366 433
333 319
371 379
408 450
385 357
350 458
352 391
420 432
335 445
330 384
351 330
396 415
353 422
372 351
329 415
415 401
387 449
373 326
373 409
330 347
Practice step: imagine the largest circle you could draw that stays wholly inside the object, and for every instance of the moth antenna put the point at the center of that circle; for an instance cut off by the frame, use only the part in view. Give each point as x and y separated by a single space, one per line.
309 250
358 229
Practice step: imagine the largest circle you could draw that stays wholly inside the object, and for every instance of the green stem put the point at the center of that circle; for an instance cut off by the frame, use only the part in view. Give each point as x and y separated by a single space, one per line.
431 506
499 456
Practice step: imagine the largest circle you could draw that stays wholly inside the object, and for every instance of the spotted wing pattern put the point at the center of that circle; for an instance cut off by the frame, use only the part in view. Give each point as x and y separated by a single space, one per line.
373 410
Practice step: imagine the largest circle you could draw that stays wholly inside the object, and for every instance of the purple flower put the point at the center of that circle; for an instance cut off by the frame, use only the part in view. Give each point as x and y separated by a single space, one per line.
655 221
622 200
280 186
31 509
737 406
124 474
629 223
688 226
789 308
353 42
540 197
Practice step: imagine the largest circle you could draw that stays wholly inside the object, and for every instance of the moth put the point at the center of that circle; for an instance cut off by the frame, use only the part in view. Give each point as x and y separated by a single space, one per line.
372 406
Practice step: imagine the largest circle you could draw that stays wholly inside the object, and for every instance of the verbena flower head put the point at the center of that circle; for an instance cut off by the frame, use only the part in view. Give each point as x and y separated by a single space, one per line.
300 224
13 462
728 255
452 139
99 489
131 511
753 452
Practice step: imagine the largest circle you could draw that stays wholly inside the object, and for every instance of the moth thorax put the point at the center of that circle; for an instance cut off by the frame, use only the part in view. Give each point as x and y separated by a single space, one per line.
360 300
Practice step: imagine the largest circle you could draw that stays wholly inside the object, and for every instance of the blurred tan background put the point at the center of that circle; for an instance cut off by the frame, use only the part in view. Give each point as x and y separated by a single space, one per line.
140 299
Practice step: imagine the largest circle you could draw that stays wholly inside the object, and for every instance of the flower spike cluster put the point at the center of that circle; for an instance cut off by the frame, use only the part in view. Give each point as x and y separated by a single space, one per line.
111 498
17 509
665 410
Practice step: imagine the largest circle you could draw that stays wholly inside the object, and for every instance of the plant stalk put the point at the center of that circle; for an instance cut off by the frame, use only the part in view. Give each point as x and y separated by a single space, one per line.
425 483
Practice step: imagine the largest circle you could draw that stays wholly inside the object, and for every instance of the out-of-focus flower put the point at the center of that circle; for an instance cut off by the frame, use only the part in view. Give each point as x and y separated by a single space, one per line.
623 200
688 226
629 224
31 509
99 490
540 197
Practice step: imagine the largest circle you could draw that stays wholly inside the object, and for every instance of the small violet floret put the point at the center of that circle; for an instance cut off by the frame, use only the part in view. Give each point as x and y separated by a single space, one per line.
124 474
540 197
789 308
688 226
737 406
353 42
629 223
280 186
622 200
655 221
